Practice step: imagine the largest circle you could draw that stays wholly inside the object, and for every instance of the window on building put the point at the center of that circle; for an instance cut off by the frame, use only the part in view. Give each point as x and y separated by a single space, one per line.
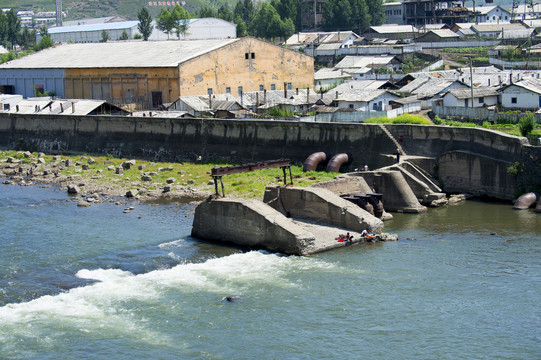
481 100
466 102
253 55
351 106
228 90
513 100
273 87
209 91
239 90
289 86
246 56
6 107
261 87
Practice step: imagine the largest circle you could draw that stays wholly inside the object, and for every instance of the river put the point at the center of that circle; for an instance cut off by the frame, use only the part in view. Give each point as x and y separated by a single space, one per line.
462 282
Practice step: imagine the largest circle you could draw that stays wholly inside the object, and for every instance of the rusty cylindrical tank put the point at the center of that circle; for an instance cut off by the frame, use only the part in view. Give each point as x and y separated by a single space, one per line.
376 200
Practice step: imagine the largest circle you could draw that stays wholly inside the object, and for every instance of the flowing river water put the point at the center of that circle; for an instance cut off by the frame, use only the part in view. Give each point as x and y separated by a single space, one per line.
462 282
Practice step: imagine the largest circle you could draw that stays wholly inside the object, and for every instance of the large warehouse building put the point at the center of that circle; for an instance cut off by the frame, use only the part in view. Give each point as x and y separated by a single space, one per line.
150 73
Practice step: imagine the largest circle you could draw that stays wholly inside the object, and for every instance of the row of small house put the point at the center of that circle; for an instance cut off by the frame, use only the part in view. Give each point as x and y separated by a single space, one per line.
361 98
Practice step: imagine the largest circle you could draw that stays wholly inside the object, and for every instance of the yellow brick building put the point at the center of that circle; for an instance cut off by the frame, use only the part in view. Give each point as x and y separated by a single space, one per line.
151 73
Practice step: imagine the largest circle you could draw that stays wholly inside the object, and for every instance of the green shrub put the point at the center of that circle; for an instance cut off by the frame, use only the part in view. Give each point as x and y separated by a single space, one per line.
402 119
526 124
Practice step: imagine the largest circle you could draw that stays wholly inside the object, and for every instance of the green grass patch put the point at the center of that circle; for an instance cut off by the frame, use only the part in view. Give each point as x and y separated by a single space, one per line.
187 174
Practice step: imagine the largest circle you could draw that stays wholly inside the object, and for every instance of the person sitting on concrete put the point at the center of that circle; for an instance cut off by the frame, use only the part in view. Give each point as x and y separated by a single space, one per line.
349 237
366 234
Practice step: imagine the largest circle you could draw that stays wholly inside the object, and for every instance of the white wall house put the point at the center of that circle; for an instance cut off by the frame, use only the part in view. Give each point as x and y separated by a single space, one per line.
365 100
525 94
200 29
491 14
482 97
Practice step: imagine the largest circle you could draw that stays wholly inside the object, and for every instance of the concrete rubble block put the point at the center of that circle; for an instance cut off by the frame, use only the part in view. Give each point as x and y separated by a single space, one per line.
344 184
141 167
28 154
41 155
249 223
111 168
68 163
146 178
170 180
84 166
57 158
397 194
41 160
323 206
166 189
91 161
435 199
119 170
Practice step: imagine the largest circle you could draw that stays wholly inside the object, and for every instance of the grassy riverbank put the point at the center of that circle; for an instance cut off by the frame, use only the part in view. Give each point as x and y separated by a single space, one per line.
183 178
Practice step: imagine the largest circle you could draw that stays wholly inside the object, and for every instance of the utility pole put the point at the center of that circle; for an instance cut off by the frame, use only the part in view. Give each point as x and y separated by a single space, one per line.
471 80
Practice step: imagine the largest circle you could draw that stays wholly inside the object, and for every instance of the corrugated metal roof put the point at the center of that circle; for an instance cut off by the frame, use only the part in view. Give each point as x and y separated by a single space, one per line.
516 34
363 95
93 27
530 84
325 74
363 61
477 92
119 54
389 29
445 33
490 27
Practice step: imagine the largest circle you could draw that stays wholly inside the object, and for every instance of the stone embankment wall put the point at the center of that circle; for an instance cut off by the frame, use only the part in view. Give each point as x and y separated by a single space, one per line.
162 139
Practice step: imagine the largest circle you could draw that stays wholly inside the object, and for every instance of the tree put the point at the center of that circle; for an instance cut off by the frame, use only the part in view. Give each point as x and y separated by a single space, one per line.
180 17
104 36
207 12
144 26
375 9
165 22
28 38
44 43
246 10
225 14
13 27
241 26
124 36
268 24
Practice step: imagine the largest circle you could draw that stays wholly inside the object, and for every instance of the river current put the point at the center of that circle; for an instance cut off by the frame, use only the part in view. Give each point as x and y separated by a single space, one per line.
462 282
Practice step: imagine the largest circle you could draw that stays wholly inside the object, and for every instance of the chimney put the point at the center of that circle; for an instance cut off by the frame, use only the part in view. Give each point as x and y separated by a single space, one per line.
257 99
264 96
285 90
308 95
336 96
297 91
72 107
61 108
511 78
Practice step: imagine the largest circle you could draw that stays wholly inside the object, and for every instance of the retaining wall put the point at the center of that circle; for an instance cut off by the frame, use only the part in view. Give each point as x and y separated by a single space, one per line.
160 139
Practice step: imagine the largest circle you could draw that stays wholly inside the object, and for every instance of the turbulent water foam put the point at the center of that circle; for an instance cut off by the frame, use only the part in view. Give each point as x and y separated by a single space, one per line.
103 300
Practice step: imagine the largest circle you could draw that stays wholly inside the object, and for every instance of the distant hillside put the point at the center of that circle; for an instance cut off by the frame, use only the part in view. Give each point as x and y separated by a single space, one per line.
80 9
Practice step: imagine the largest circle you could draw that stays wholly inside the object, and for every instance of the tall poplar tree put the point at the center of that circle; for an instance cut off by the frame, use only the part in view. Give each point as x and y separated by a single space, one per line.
145 23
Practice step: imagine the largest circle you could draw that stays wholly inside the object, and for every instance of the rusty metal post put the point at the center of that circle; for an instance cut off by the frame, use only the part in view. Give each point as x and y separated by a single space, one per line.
290 176
221 182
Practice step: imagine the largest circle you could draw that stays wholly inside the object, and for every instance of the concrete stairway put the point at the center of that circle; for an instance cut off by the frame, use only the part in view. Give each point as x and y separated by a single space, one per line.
396 143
